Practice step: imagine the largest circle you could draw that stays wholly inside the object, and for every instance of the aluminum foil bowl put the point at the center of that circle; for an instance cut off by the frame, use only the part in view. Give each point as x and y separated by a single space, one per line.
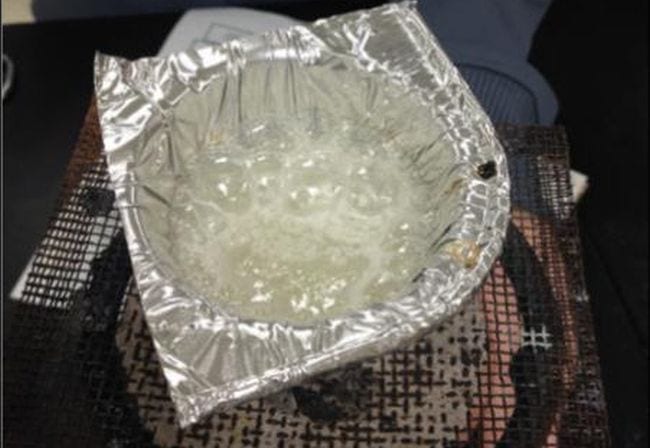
379 71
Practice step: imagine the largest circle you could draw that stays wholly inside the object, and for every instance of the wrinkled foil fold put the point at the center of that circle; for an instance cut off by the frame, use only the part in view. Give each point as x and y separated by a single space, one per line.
145 140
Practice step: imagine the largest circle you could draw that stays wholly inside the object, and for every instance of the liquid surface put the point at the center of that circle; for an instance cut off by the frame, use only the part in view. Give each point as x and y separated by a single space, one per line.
291 224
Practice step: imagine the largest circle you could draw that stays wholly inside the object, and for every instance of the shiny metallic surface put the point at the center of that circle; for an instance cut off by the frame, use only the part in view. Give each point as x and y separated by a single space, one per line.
157 113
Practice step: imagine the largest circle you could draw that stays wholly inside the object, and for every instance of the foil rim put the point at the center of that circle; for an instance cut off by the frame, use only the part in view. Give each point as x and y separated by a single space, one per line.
152 86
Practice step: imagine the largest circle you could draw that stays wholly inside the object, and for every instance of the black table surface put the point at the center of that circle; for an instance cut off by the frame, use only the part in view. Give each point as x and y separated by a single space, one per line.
44 113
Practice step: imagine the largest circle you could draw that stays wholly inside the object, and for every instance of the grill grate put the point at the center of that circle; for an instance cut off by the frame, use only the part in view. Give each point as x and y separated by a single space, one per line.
518 367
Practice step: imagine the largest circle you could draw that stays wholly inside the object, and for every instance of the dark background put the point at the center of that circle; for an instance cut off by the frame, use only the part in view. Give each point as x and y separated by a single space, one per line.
593 53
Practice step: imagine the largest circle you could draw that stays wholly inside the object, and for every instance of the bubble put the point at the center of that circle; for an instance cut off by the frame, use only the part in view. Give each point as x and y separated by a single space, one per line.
288 224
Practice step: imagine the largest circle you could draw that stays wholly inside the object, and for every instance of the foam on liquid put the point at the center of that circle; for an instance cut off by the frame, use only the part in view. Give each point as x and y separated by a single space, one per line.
293 225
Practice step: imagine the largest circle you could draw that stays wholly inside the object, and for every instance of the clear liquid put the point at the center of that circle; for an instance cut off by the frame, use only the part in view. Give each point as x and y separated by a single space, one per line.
298 225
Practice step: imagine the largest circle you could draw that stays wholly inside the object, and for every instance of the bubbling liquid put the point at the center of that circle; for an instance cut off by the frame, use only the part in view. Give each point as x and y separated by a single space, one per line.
295 225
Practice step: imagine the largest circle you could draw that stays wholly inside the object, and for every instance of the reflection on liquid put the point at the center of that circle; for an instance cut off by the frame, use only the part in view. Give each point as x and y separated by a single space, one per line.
298 225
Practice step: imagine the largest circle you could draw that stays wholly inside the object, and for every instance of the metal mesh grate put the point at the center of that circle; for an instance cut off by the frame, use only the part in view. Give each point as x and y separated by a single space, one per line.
517 367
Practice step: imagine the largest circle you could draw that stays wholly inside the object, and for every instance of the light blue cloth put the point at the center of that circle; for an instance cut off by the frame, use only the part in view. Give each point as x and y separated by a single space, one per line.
489 41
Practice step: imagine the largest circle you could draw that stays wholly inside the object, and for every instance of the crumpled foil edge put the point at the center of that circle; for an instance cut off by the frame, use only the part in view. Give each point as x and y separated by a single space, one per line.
134 97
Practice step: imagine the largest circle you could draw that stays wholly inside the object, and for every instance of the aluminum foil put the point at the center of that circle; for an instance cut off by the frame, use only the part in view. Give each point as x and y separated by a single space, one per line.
157 114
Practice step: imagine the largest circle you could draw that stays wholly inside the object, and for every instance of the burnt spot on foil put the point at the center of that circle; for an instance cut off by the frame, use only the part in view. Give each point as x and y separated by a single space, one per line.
487 170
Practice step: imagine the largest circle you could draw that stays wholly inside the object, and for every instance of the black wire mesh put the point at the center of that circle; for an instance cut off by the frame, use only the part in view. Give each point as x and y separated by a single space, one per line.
518 367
